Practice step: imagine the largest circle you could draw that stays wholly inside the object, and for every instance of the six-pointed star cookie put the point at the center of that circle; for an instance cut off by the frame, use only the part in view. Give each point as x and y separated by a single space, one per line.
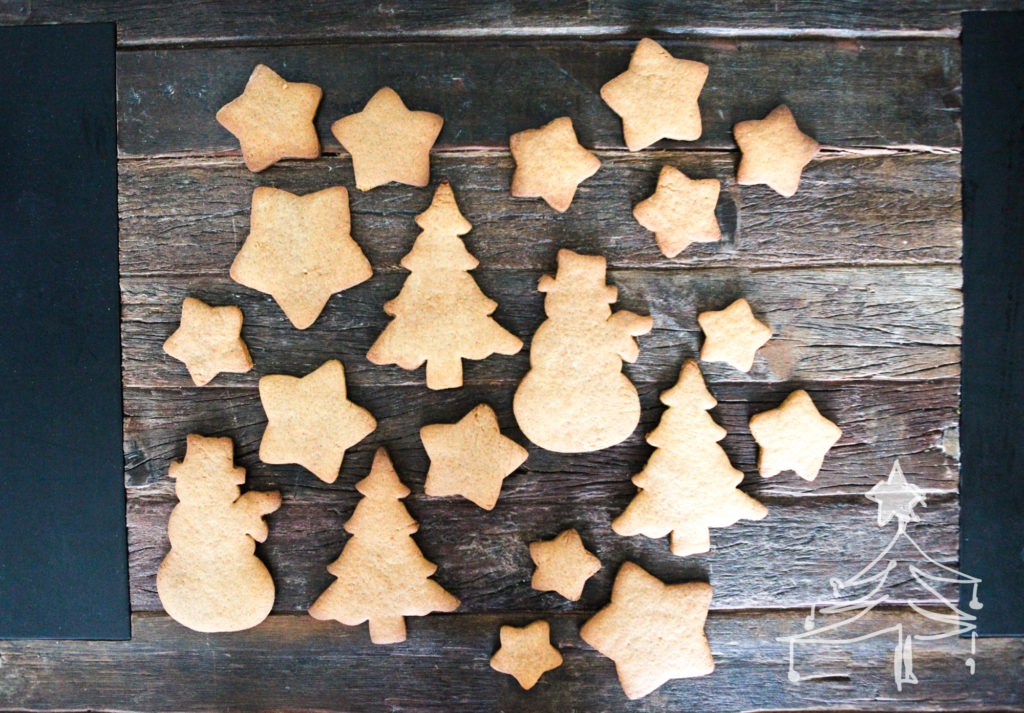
774 150
733 335
657 96
681 211
550 163
273 119
388 142
794 437
310 420
209 341
653 631
299 250
526 653
470 458
563 565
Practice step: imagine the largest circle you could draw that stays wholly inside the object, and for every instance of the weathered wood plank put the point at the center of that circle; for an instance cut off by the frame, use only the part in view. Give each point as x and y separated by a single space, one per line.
852 93
190 216
298 664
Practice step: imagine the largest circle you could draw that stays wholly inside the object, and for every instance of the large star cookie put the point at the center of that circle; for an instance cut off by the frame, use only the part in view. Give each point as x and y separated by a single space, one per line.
794 437
470 458
209 341
550 163
733 335
681 211
299 250
563 565
526 653
657 96
310 420
273 119
653 631
775 151
388 142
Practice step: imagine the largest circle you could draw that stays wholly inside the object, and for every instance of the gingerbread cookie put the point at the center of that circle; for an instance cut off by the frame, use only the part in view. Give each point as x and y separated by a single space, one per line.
526 653
680 212
774 150
563 565
794 437
733 335
550 163
209 341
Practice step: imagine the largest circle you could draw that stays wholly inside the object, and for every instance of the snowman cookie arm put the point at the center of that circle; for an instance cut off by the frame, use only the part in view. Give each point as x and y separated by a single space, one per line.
624 325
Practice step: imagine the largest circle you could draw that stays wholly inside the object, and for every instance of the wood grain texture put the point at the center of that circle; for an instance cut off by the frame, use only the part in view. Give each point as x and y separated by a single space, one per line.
863 93
190 216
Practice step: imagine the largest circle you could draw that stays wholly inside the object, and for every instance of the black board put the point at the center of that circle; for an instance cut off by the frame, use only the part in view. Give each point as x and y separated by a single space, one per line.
63 553
992 416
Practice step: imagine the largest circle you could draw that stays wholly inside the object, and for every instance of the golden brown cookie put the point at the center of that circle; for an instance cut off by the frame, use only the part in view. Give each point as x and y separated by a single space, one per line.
550 163
211 580
299 250
526 653
681 211
273 119
310 420
470 458
382 577
653 631
441 316
388 142
209 341
688 485
657 96
774 150
794 437
563 565
733 335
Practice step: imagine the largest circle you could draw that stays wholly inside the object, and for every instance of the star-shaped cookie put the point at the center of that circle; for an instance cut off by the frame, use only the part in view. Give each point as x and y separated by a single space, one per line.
470 458
273 119
794 437
774 150
550 163
733 335
657 96
388 142
681 211
209 341
526 653
563 565
310 420
653 631
299 250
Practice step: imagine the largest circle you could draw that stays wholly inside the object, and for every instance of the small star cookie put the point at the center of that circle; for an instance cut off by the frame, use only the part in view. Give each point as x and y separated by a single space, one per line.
299 251
310 420
681 211
550 163
526 653
657 96
794 437
733 335
774 150
209 341
653 631
470 458
273 119
388 142
563 565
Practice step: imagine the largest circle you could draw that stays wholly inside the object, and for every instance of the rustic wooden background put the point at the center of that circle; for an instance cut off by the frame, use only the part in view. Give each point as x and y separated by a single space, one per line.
858 275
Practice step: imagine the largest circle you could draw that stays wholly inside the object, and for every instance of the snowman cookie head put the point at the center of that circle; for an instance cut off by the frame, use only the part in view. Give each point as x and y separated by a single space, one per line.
207 473
578 289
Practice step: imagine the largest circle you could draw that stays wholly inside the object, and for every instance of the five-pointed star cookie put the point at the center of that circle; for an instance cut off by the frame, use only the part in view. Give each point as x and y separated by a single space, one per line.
657 96
563 565
653 631
733 335
388 142
310 420
273 119
550 163
299 250
794 437
681 211
526 653
470 458
209 341
774 150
